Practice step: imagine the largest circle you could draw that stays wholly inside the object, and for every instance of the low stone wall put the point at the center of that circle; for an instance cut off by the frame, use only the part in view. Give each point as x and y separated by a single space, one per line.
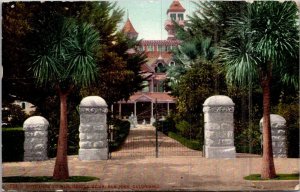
36 138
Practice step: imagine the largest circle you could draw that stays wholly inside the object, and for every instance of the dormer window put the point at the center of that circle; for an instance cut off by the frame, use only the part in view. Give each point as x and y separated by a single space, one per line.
173 16
180 17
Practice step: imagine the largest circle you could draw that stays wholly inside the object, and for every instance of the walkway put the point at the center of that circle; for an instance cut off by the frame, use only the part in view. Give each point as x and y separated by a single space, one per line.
148 173
141 142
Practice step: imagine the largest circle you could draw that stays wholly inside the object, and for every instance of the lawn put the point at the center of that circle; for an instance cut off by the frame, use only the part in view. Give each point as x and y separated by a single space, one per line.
294 176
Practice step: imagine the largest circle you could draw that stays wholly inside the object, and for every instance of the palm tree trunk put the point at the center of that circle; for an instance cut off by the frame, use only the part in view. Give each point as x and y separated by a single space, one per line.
61 170
268 168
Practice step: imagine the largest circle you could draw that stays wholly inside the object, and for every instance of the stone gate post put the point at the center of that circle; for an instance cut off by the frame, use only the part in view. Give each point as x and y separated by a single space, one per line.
93 129
278 127
218 127
36 138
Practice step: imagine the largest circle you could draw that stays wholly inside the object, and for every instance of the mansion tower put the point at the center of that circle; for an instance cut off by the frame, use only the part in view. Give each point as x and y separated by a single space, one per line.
153 99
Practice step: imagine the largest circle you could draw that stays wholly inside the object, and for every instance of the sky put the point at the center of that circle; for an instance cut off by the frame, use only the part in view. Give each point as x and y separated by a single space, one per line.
148 16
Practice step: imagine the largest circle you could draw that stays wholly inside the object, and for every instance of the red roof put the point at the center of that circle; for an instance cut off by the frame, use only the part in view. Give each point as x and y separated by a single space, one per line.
146 68
128 28
161 42
160 97
176 7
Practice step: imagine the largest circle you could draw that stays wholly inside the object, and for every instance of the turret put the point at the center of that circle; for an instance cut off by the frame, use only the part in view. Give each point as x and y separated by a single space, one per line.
129 30
175 13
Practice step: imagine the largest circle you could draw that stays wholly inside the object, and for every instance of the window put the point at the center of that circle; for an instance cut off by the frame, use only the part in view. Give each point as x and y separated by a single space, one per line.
172 63
23 105
160 68
141 48
180 16
173 16
161 48
150 48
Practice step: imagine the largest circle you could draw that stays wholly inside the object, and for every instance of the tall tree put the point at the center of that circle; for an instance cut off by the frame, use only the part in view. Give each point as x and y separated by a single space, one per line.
211 18
259 44
63 56
119 67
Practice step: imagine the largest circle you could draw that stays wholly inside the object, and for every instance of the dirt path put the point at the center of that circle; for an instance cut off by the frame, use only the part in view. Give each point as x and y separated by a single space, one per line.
141 142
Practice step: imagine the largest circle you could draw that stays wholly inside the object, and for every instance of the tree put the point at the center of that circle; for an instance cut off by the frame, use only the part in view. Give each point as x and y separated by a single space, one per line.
259 44
120 69
63 57
211 18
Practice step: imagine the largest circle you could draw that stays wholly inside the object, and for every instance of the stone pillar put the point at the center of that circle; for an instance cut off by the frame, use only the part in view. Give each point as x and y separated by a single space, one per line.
152 119
168 108
278 126
36 138
135 117
218 127
93 129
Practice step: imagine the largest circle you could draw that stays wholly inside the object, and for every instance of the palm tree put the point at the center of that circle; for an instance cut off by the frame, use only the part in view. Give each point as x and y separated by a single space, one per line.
259 44
63 57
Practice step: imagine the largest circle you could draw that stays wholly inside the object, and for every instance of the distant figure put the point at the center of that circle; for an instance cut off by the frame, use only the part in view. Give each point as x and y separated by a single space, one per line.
144 122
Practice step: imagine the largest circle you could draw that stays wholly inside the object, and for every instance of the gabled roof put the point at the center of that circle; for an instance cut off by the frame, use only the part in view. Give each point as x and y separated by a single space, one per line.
128 28
176 7
160 97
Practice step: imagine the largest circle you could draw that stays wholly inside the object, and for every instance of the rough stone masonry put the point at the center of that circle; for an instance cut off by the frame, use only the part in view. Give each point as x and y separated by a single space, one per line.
93 129
218 127
36 138
278 126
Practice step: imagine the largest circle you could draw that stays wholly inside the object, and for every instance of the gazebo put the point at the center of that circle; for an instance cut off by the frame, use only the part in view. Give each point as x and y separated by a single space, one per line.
148 105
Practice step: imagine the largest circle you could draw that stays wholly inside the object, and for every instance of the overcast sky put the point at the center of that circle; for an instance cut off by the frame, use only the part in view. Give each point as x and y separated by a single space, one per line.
148 16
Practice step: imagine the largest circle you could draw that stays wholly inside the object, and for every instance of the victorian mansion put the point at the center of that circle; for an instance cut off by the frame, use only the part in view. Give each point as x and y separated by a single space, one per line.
153 99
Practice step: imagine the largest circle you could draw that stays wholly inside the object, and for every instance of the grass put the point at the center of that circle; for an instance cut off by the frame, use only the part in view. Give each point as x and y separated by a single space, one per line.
20 179
192 144
254 177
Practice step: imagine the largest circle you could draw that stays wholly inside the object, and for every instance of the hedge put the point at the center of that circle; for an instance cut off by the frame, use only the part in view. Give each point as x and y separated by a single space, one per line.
12 144
121 130
192 144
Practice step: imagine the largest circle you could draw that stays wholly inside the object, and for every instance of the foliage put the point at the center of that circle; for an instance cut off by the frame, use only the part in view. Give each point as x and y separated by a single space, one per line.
260 43
192 144
292 136
166 125
121 130
41 179
63 53
119 80
183 127
288 107
17 115
293 176
12 144
211 18
249 140
257 45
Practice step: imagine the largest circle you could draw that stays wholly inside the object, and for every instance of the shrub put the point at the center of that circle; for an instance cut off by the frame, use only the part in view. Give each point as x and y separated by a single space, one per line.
192 144
120 132
13 144
293 141
183 127
18 116
249 139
